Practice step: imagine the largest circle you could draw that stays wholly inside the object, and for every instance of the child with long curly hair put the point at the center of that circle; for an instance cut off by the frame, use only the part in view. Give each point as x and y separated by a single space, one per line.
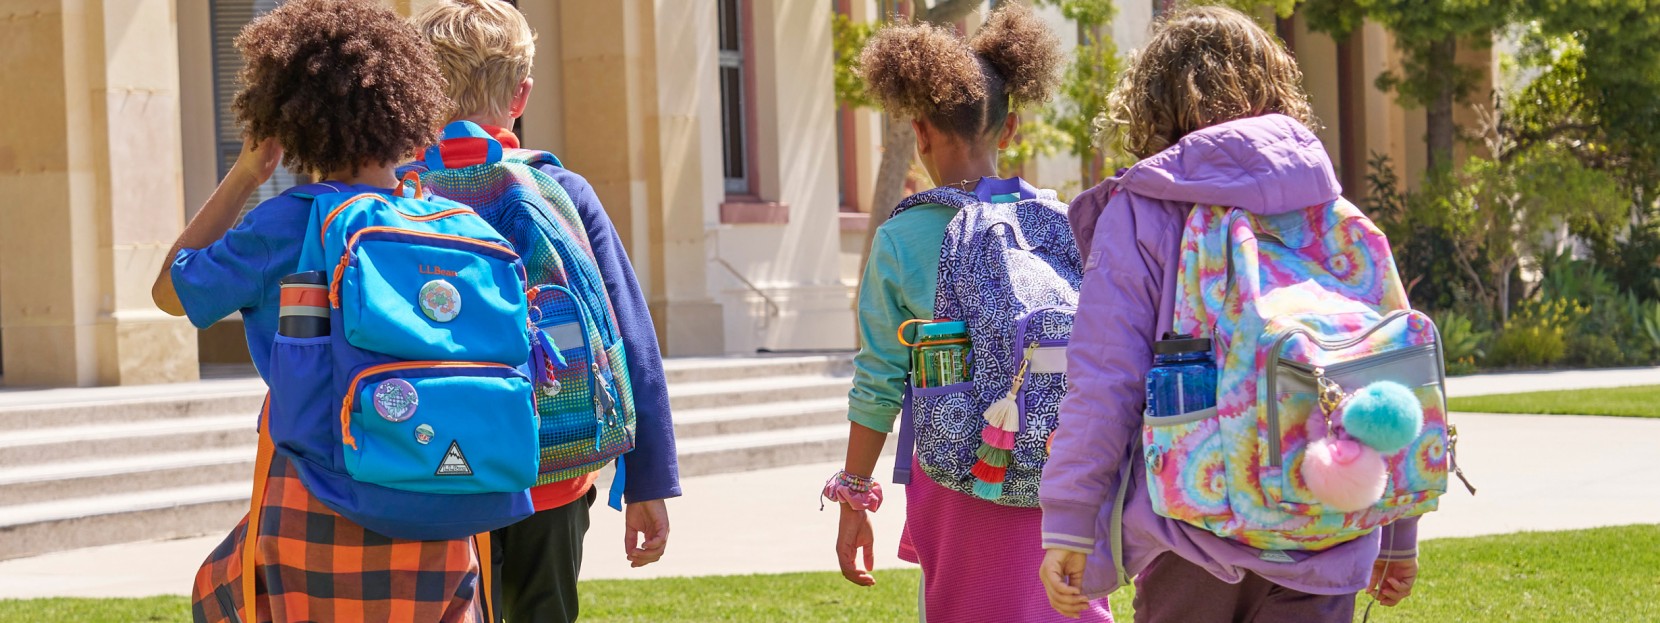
1215 109
979 559
344 91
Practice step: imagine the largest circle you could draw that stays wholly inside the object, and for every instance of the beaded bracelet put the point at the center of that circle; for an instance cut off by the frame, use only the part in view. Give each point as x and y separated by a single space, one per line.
861 493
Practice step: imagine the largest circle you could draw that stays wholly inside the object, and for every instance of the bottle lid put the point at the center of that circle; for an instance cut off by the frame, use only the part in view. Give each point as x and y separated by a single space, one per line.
1175 344
306 278
942 327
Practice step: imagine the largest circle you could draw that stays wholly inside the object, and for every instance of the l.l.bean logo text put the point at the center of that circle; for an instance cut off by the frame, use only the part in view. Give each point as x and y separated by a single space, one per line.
427 269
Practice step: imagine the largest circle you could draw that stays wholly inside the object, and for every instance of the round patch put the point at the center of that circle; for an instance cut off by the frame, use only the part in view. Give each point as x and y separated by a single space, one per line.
395 400
423 434
552 388
440 301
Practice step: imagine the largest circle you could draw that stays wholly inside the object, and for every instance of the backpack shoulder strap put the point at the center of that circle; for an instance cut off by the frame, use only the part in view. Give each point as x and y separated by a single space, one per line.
531 157
943 195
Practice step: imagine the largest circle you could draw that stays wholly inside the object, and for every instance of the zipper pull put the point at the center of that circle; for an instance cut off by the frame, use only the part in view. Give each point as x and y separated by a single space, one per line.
1452 458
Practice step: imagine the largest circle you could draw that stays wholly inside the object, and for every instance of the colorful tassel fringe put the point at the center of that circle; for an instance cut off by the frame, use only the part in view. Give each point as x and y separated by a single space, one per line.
988 490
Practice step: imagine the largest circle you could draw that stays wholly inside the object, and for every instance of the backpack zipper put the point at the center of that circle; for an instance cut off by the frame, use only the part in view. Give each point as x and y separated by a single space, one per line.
351 393
346 256
443 214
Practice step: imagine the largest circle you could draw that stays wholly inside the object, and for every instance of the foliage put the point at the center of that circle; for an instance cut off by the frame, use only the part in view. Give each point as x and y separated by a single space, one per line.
1070 124
1537 335
1282 8
1461 344
848 39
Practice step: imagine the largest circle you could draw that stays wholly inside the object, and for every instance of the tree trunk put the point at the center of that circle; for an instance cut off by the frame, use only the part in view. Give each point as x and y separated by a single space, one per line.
1441 130
898 150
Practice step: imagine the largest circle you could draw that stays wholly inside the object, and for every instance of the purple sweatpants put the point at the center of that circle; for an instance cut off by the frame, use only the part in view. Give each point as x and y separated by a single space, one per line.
1173 590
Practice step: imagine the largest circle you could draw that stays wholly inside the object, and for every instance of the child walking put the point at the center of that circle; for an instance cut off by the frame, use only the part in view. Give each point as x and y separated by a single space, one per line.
1214 108
977 557
485 49
343 90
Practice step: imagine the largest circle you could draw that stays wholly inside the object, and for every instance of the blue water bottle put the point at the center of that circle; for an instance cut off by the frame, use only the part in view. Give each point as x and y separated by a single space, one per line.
1183 378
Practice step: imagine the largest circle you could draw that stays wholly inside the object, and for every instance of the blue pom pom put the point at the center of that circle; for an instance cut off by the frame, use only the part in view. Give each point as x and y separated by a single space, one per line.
1384 415
988 490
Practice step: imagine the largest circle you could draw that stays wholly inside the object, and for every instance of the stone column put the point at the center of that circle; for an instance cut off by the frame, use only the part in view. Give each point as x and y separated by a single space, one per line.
90 168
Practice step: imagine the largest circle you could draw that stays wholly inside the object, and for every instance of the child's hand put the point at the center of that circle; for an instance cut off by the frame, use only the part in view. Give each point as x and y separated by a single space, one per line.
1062 573
648 520
855 533
258 161
1392 580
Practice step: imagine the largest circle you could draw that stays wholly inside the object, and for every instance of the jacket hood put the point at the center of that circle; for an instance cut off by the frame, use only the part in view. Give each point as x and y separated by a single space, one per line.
1264 165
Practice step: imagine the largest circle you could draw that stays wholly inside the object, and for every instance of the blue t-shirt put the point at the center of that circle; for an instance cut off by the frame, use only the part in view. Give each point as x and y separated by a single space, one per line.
239 272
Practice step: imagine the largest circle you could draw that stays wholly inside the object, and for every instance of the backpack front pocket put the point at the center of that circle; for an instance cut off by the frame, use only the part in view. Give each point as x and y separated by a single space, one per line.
1187 476
424 296
441 427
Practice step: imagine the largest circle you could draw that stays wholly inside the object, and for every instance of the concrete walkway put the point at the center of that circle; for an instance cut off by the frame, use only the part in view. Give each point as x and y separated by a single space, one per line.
1534 473
1513 382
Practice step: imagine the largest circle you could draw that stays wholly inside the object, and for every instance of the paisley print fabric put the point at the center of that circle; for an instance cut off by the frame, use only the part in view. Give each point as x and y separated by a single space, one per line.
1011 272
1286 298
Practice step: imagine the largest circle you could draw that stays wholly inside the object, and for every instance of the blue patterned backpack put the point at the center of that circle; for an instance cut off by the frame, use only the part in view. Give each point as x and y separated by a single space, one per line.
586 401
1009 270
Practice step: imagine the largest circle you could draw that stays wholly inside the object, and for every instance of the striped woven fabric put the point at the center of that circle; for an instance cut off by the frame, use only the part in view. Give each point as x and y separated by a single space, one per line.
315 565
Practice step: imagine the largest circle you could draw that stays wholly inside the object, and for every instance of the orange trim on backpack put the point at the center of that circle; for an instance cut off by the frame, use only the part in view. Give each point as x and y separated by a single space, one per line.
414 179
351 393
346 256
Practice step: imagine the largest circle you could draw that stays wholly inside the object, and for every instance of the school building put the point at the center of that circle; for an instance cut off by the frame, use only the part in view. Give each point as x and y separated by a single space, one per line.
709 129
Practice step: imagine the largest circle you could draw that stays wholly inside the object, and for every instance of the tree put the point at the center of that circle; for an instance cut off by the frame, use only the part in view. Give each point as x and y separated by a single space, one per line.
1072 121
1427 33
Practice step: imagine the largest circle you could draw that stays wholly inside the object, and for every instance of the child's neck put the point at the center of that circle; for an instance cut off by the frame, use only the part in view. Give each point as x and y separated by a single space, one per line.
379 176
965 173
490 121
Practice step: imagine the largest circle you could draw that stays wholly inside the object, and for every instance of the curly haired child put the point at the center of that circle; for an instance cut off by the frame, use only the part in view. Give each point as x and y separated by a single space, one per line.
1214 108
961 96
342 90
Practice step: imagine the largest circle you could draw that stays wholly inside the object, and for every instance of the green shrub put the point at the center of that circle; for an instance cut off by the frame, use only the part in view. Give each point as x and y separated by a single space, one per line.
1461 343
1537 335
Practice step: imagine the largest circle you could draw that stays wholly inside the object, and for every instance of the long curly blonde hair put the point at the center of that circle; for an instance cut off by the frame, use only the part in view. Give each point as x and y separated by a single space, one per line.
1203 66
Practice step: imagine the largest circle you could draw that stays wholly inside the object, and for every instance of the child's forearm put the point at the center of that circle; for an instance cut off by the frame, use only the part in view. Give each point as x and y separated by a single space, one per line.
216 217
864 447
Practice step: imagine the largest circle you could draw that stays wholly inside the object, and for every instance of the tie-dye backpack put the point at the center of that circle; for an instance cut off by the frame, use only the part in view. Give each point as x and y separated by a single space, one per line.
1307 315
585 399
1010 271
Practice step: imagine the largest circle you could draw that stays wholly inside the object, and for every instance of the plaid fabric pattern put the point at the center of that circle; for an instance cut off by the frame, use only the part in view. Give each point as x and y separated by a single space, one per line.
315 565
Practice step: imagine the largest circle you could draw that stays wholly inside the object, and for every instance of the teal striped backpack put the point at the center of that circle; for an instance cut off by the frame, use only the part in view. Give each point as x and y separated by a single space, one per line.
584 397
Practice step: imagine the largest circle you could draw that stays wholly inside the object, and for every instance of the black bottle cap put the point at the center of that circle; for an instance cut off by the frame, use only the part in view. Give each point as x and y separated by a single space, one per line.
1177 343
315 277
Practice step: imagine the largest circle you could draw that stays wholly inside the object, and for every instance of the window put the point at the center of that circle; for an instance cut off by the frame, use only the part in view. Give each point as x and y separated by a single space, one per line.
227 19
734 120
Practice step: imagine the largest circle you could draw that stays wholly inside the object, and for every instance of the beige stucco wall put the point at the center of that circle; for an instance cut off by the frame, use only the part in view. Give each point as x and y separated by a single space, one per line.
90 157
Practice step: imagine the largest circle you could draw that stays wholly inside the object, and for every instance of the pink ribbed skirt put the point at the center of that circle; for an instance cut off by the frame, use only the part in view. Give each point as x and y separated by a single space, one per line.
979 559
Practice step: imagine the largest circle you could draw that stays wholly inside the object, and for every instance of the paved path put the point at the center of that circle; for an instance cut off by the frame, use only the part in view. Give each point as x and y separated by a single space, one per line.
1513 382
1535 473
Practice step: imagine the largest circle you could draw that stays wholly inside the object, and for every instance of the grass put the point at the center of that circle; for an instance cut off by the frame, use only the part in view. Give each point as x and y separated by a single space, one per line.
1604 574
1637 401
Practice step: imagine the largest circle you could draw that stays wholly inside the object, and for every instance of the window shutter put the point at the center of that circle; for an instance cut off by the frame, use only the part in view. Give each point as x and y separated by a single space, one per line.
227 19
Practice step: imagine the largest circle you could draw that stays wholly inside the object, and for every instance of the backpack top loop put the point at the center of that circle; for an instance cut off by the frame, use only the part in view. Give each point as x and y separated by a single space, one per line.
462 145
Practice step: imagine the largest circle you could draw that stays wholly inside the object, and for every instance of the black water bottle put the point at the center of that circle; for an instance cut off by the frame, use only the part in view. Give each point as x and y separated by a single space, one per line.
305 305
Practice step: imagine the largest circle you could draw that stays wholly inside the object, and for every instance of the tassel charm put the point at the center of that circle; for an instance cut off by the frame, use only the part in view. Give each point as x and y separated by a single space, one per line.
997 438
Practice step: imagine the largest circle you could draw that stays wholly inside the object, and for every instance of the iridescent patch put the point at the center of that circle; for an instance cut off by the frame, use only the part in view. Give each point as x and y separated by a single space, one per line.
423 434
396 400
440 301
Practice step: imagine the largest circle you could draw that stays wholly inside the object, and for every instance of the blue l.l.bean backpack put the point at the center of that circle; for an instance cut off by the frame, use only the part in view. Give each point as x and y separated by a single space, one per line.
414 417
1009 270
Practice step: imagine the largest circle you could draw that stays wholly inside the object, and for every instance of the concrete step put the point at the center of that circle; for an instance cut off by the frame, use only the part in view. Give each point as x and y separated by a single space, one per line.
116 439
742 452
681 370
30 529
695 423
55 408
99 476
757 391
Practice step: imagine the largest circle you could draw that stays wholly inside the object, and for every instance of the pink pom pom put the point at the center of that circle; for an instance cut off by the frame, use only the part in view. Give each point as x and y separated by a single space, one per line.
1344 475
997 437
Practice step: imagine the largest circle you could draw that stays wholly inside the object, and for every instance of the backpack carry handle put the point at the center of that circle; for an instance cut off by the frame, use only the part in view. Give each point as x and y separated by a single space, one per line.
466 140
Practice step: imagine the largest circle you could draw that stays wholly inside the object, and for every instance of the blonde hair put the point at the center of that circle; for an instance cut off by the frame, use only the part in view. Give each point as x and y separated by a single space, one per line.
485 49
1204 66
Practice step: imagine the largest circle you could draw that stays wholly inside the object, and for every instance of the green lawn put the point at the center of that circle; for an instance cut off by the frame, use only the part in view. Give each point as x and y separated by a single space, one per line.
1638 401
1606 574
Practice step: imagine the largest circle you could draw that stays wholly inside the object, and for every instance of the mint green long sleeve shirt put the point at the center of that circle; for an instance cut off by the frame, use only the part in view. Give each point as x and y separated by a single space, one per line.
898 285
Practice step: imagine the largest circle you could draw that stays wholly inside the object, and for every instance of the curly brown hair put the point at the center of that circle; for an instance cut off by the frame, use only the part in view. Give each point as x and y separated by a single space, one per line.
1203 66
340 84
965 88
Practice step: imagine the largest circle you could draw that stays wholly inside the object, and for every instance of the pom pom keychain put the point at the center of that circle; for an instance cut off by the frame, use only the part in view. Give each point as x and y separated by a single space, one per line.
1384 415
997 438
1344 475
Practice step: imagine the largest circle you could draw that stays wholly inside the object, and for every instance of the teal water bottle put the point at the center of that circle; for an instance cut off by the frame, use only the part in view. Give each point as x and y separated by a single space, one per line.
939 357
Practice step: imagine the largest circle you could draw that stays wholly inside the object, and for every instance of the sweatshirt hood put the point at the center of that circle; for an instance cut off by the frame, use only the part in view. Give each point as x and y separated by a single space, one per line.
1264 165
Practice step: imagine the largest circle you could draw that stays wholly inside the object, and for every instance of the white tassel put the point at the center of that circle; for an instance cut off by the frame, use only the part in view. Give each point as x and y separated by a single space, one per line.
1005 414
